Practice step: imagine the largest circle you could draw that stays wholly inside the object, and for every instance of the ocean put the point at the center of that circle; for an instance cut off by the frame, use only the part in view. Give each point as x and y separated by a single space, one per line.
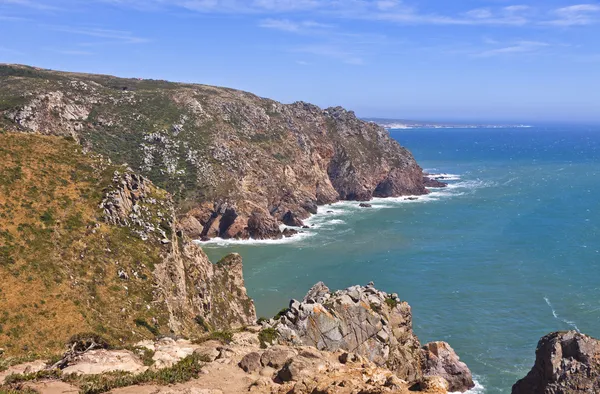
509 252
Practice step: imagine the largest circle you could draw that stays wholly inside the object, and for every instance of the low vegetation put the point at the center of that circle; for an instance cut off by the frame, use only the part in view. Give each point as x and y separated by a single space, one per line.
59 260
184 371
267 336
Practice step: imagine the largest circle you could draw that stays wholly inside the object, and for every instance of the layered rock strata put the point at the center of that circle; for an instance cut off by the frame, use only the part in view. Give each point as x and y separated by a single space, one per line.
372 324
238 165
565 363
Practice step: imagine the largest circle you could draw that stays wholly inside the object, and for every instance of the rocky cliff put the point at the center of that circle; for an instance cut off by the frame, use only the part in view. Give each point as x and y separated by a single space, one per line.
353 341
238 165
566 363
372 324
88 246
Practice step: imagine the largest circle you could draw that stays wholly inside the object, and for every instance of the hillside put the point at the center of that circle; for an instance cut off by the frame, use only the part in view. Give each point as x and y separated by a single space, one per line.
88 246
237 165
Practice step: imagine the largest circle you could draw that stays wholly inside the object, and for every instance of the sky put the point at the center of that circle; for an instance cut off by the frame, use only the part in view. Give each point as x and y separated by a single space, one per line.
469 60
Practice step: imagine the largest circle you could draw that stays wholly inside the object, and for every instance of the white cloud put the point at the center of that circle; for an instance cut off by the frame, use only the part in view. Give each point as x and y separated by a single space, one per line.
110 36
292 26
576 15
519 47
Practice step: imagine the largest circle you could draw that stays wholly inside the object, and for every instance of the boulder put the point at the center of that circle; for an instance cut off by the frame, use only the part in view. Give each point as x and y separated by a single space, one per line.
430 182
565 362
276 356
250 363
365 205
288 232
439 359
263 226
292 220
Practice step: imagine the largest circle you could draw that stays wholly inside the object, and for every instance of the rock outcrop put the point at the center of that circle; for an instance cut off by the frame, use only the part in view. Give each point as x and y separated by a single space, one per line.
238 366
371 324
439 359
225 155
566 363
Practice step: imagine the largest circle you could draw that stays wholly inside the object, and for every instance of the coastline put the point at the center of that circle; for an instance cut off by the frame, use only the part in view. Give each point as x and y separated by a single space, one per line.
332 214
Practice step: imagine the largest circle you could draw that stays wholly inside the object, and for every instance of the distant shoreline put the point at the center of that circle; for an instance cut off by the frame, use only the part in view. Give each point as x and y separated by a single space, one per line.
399 124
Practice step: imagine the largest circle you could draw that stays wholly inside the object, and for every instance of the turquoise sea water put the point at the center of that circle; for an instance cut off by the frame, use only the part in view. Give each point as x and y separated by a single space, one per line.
507 254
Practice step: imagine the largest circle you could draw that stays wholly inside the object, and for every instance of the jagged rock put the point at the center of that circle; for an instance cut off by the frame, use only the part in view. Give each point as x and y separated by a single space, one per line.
566 363
190 226
365 205
360 320
439 359
192 286
263 226
430 182
251 362
434 385
288 232
290 219
130 202
316 294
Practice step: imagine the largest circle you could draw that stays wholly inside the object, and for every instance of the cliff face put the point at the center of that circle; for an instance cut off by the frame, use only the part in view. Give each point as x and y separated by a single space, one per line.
566 363
87 246
227 156
372 324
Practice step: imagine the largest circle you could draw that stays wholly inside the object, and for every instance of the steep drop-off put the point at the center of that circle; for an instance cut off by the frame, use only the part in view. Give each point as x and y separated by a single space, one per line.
87 246
237 165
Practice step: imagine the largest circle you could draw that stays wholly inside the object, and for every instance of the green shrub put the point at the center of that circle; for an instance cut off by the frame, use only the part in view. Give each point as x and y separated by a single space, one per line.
267 336
281 313
143 323
224 336
392 303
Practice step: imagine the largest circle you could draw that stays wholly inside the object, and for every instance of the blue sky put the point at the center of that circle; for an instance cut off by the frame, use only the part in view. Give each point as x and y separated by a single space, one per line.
496 60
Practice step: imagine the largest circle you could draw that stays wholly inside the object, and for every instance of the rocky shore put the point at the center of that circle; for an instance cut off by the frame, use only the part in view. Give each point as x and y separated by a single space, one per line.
357 340
237 165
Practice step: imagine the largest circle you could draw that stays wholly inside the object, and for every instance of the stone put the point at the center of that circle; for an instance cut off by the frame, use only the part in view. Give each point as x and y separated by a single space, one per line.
566 362
439 359
294 369
365 205
263 226
190 226
276 356
20 369
316 293
430 182
250 363
292 220
208 353
434 385
346 320
95 362
346 357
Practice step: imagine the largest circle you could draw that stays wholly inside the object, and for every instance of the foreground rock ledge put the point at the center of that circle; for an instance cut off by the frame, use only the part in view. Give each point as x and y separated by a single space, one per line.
352 341
566 363
371 324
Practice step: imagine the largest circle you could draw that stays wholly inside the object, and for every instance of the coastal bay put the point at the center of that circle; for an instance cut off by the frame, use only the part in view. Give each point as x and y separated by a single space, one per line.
502 256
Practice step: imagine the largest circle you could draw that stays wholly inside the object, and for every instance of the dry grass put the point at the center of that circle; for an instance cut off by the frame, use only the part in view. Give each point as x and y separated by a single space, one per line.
58 259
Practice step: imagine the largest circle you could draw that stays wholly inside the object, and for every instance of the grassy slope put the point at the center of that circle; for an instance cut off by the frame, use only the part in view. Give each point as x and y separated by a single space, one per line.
59 261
